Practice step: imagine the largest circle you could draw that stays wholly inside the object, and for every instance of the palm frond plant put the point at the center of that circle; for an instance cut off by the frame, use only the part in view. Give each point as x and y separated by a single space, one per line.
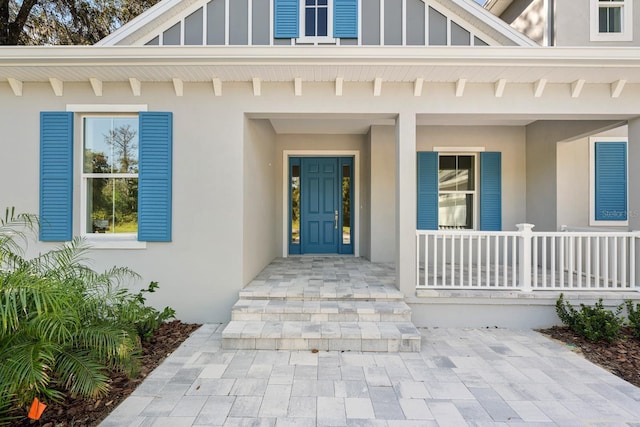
62 327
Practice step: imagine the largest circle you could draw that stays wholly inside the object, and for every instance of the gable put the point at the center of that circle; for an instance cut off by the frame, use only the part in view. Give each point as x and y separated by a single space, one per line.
376 23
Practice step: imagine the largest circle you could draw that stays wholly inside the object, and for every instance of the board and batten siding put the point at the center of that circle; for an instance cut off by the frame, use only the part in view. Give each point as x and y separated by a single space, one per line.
380 23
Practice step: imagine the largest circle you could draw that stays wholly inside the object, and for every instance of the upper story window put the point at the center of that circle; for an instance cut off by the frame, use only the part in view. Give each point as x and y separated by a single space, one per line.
611 20
316 18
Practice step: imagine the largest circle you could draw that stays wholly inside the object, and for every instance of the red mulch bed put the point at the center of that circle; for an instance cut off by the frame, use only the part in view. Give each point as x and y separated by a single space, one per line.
80 413
621 357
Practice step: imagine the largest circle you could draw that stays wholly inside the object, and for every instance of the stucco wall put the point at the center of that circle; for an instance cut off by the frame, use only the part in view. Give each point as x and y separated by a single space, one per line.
573 179
573 25
383 194
260 208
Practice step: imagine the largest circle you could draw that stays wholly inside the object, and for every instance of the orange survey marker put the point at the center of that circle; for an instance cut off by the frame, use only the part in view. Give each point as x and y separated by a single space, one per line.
37 408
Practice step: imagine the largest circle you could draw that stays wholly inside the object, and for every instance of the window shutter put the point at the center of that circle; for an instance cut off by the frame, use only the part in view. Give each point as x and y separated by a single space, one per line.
345 19
155 177
491 191
611 181
286 16
427 190
56 176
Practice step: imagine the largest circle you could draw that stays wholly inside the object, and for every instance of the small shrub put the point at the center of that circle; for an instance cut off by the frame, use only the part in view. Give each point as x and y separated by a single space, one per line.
594 323
634 317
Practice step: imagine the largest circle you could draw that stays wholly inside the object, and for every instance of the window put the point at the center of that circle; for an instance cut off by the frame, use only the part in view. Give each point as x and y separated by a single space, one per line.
608 181
315 21
110 176
459 190
611 20
124 172
316 18
456 191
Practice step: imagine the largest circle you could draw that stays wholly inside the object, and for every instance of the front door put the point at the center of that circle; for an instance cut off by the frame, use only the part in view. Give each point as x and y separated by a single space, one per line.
320 214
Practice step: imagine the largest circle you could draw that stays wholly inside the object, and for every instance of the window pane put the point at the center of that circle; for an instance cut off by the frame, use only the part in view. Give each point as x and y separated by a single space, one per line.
112 205
465 173
111 145
346 205
310 22
447 173
322 21
455 211
295 204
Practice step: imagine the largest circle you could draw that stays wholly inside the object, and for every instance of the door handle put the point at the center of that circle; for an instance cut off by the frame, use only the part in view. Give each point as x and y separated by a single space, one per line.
335 218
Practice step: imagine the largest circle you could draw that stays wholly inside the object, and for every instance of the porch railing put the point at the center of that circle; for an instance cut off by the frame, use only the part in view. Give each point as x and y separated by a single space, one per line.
526 260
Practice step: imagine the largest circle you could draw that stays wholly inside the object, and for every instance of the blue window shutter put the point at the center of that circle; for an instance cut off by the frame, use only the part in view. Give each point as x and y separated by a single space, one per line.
56 176
611 181
286 16
491 191
427 190
155 177
345 19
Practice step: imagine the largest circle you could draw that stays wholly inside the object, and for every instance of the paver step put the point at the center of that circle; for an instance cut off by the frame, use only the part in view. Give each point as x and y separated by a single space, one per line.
321 311
300 335
321 291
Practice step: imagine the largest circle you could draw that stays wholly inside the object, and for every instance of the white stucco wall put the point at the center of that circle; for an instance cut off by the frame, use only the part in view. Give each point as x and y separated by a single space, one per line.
260 175
528 17
573 179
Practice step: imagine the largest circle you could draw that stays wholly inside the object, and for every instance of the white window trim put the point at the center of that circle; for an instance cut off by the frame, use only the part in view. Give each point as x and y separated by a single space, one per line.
592 182
627 22
95 240
315 39
462 151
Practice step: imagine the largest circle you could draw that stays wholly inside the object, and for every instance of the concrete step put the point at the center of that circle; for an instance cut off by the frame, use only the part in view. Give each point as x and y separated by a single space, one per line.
341 336
321 311
322 291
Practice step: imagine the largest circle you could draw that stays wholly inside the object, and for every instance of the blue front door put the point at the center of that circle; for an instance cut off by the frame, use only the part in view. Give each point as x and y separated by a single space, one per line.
320 205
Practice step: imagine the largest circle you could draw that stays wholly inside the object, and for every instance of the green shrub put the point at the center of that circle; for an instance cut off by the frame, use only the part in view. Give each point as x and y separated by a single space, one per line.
64 326
633 313
594 323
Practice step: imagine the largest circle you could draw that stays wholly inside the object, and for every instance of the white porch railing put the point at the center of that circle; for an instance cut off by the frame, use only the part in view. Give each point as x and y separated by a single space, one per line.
526 261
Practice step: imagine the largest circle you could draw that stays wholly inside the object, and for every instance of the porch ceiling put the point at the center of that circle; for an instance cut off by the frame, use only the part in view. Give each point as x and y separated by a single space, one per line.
321 64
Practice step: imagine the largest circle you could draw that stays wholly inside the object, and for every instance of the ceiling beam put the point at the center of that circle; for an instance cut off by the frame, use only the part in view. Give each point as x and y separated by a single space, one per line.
538 88
417 86
460 85
16 86
617 88
178 86
217 86
297 86
499 87
576 88
257 86
136 86
57 85
377 86
96 85
339 84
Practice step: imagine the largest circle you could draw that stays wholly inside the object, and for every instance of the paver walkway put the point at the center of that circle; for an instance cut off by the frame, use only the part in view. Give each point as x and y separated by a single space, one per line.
487 377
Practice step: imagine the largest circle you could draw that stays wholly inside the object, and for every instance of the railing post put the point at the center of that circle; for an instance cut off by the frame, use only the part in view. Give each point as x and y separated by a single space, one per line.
524 256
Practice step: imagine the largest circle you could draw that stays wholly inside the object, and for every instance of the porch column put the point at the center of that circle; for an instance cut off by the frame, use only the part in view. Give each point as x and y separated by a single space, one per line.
406 189
633 156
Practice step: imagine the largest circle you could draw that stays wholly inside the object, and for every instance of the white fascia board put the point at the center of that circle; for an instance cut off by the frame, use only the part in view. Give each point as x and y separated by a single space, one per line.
138 22
495 23
497 7
34 56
